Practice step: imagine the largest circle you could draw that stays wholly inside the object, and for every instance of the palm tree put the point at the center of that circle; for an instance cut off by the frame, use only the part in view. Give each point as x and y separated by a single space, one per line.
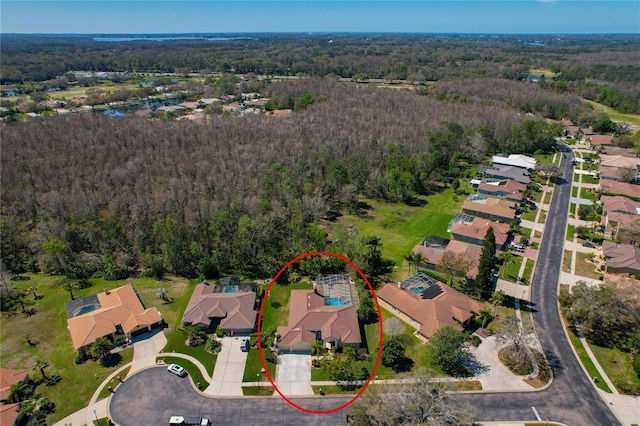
484 315
418 259
100 348
497 299
506 258
33 290
18 392
316 348
69 284
410 258
40 365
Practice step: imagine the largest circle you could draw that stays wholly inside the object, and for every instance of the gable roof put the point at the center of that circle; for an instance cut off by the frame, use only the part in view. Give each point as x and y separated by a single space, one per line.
599 140
620 204
618 161
10 377
235 309
470 252
506 172
308 314
489 206
9 413
507 187
621 256
120 306
477 229
621 188
449 307
515 160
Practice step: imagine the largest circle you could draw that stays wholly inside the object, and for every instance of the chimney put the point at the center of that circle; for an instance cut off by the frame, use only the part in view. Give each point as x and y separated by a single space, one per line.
399 285
106 291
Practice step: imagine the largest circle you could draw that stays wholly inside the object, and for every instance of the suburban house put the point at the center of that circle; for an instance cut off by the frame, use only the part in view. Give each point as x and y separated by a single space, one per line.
107 313
328 313
473 230
10 411
515 160
231 304
433 252
505 172
619 214
507 189
622 258
428 304
489 208
620 188
614 167
598 141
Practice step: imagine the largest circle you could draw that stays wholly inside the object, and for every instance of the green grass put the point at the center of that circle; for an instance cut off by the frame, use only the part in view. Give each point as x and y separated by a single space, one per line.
614 114
618 366
572 209
543 158
191 368
585 269
588 195
590 179
546 72
571 229
401 227
566 261
576 177
574 191
511 271
105 392
586 361
530 215
279 296
253 368
528 271
257 390
543 216
537 196
175 343
333 390
537 234
525 231
48 328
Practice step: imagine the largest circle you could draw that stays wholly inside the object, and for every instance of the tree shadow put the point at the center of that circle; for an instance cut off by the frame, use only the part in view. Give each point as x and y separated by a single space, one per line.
52 380
404 365
111 360
415 202
29 312
475 367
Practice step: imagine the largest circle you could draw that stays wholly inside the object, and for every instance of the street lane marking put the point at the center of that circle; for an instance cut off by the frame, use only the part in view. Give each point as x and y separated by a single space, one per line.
536 413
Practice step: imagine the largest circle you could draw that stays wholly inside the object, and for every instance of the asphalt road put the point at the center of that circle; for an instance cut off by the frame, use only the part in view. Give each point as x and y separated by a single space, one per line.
152 396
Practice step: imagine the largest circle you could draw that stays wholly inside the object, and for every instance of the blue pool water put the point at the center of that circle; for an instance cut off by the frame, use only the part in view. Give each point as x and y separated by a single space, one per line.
231 289
334 301
418 290
86 310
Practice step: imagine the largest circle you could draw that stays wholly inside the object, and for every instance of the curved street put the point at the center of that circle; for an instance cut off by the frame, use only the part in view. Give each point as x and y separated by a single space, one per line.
152 396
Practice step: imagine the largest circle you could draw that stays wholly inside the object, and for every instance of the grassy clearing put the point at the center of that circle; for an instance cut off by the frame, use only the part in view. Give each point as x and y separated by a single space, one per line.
511 270
584 358
617 365
401 227
257 390
614 114
276 307
585 269
528 271
253 368
571 229
191 368
546 72
566 261
530 215
176 343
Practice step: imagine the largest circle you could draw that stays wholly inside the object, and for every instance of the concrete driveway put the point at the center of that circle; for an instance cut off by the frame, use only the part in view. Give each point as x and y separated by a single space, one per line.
294 374
229 369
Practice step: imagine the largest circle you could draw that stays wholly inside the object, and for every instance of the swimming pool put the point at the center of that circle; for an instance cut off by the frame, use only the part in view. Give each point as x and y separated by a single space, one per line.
85 310
334 301
418 290
231 289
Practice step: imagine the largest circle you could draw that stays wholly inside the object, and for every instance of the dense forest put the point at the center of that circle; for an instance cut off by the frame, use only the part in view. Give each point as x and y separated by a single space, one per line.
87 193
602 69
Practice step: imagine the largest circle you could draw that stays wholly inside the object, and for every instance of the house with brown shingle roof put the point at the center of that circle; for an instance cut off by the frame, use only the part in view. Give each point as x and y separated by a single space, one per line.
428 304
10 414
620 188
433 254
311 319
473 230
597 141
613 167
507 189
619 213
622 258
9 378
489 208
106 313
231 303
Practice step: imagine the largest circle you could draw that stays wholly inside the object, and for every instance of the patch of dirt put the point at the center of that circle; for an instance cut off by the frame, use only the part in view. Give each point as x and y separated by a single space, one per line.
628 284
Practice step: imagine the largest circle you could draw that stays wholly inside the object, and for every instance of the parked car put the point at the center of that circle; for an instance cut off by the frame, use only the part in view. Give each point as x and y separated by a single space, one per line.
189 421
588 244
244 346
177 370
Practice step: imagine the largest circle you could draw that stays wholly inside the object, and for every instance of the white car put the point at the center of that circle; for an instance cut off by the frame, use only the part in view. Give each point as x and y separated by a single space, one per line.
177 370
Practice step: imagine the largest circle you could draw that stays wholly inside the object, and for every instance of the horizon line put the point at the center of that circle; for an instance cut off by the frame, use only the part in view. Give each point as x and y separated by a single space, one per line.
328 32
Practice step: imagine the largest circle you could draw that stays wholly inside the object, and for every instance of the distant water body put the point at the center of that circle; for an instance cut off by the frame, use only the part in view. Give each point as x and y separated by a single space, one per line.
160 38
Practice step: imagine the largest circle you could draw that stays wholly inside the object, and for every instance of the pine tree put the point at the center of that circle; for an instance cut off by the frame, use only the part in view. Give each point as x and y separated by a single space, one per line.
484 279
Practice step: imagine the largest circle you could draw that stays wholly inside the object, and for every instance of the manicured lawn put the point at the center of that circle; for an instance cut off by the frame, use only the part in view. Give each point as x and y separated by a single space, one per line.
530 215
584 358
574 191
543 158
576 177
105 392
333 390
537 234
543 216
537 196
585 269
401 227
191 368
572 210
566 261
614 114
590 179
528 271
257 390
253 368
525 231
617 365
570 232
175 343
276 306
512 270
47 328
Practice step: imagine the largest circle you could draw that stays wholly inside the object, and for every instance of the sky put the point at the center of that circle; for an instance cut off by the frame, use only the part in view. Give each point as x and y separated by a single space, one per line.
217 16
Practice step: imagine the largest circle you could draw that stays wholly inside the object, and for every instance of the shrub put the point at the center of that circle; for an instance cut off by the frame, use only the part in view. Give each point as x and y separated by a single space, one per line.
270 357
636 365
219 332
475 340
212 345
275 304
